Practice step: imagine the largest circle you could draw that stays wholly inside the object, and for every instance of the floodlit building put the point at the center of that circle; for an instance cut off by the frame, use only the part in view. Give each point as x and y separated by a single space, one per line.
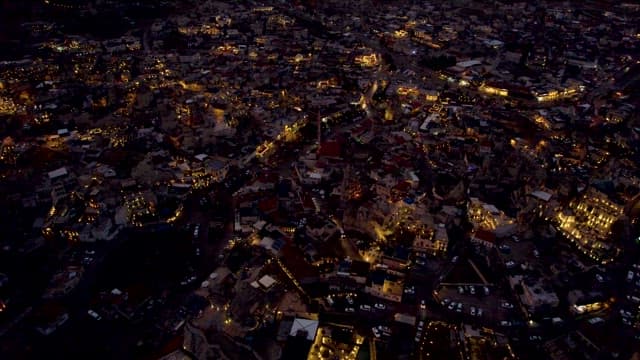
586 223
489 218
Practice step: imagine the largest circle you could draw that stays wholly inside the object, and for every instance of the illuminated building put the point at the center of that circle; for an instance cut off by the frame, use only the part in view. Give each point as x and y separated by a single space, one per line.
204 29
141 208
541 121
265 150
368 60
587 224
407 91
7 151
332 342
430 241
488 218
7 106
431 95
553 95
493 90
581 303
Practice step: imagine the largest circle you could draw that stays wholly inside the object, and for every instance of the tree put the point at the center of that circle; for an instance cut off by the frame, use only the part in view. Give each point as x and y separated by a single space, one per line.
436 63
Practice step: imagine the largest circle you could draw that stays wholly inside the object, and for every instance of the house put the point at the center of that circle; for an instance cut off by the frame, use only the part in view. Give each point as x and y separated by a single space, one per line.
489 218
484 238
432 242
217 168
385 285
58 174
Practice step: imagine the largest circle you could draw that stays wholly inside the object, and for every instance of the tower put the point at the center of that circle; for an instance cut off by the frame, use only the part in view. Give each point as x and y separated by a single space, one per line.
319 124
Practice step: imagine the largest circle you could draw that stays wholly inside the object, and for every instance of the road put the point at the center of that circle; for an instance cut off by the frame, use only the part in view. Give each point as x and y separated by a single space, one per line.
210 245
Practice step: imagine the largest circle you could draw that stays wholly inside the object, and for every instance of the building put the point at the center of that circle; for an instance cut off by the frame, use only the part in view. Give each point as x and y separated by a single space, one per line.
432 242
536 295
489 218
586 223
385 285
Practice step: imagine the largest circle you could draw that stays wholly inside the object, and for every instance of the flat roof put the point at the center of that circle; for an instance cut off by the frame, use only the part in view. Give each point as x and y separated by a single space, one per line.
304 325
541 195
267 281
469 63
491 208
58 173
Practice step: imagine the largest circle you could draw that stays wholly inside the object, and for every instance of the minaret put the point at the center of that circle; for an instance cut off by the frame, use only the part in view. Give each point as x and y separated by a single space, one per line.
319 124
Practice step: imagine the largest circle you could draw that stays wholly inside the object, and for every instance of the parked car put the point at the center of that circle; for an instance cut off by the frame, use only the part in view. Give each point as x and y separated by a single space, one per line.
506 305
94 315
349 300
595 320
626 313
330 300
188 280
